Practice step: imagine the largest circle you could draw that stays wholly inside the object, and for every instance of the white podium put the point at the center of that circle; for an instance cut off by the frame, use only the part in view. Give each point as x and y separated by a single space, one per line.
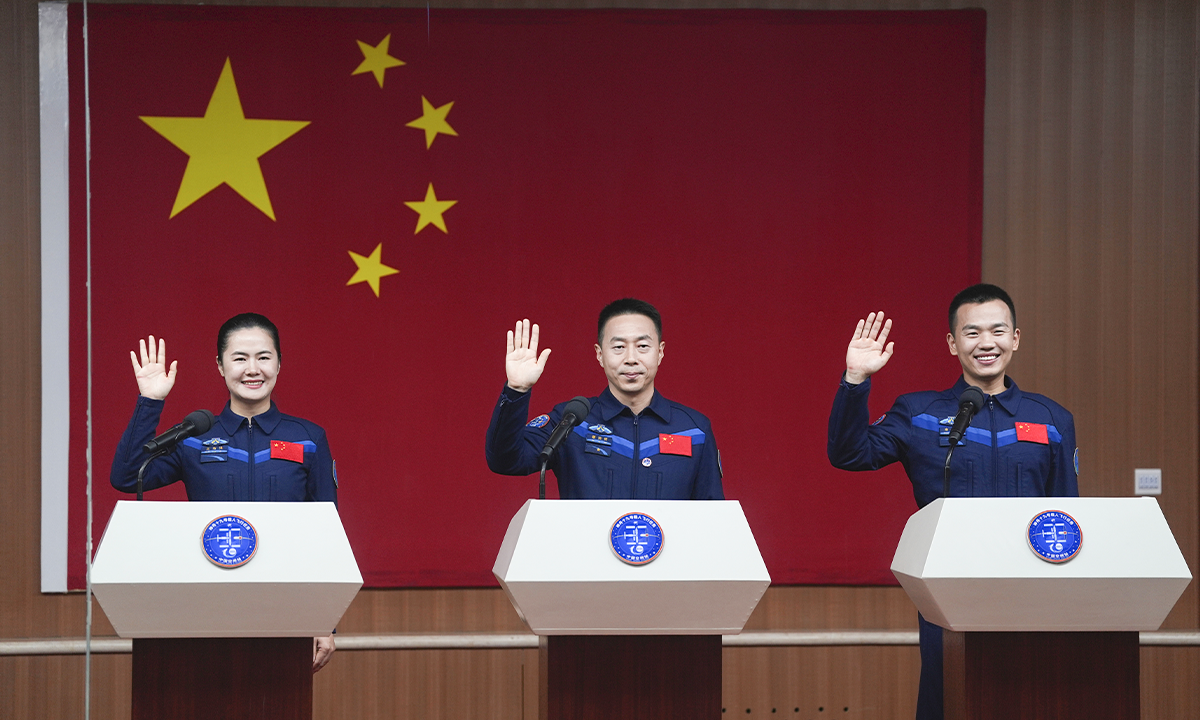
212 641
631 641
1031 638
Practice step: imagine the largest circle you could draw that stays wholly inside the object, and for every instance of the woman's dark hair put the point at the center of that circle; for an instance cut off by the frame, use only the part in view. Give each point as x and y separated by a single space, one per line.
246 321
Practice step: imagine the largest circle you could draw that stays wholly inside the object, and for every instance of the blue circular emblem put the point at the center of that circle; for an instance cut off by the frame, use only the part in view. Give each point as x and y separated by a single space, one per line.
539 421
1054 536
229 541
636 538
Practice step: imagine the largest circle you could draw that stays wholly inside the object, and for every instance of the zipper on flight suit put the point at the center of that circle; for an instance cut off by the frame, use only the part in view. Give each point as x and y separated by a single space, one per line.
995 445
637 460
250 448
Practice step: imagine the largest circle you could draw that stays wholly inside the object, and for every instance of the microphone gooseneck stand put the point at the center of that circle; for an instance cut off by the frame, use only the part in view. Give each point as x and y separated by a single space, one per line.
542 480
946 474
142 471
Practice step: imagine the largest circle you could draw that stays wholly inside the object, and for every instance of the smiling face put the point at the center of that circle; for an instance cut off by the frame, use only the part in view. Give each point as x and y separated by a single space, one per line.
249 365
630 352
984 341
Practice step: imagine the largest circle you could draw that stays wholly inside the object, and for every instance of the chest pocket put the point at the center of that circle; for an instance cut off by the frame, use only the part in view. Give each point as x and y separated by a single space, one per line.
670 477
1028 470
287 481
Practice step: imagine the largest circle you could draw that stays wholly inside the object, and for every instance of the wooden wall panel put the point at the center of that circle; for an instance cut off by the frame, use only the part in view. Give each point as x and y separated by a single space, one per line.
1170 678
821 683
1091 223
1091 167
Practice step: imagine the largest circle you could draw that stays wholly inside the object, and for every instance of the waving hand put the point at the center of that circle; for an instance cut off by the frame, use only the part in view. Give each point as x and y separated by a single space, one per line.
869 349
522 363
153 379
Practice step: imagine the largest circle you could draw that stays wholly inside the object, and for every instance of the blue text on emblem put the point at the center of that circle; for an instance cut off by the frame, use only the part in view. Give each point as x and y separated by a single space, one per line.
229 541
636 538
1054 536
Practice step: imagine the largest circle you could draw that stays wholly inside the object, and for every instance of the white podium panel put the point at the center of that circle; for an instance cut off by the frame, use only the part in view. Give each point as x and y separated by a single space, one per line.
967 565
559 570
154 581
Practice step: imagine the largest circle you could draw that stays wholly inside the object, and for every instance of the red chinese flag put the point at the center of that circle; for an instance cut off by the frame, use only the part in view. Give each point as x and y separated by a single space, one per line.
1033 432
675 444
395 187
282 450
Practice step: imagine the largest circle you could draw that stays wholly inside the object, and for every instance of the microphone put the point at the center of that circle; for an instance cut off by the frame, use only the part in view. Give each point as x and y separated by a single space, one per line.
194 424
969 403
576 410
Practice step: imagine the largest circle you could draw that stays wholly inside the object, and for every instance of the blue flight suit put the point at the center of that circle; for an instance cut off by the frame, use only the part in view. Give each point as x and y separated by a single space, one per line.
232 461
989 462
613 453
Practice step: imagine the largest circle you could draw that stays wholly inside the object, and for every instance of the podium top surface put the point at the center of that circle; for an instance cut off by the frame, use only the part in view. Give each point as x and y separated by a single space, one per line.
558 567
967 565
568 541
986 537
159 542
153 578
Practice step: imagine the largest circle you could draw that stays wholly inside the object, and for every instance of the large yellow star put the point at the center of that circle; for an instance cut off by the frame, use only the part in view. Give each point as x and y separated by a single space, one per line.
430 210
433 121
223 147
370 268
376 59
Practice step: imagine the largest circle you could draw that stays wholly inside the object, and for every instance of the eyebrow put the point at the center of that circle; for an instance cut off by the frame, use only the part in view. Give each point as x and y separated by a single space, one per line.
621 339
977 327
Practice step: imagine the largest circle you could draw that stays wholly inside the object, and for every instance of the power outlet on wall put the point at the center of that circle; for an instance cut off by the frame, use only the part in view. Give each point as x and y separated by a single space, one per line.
1147 481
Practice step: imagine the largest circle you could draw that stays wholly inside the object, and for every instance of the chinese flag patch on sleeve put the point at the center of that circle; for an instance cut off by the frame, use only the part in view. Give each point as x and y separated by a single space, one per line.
675 444
1033 432
281 450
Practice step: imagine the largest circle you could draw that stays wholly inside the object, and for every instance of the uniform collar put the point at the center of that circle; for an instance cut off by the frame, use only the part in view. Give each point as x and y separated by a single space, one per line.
610 406
231 421
1008 400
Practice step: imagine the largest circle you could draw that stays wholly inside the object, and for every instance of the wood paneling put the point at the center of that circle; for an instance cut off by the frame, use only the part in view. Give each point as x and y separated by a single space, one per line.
822 683
1090 220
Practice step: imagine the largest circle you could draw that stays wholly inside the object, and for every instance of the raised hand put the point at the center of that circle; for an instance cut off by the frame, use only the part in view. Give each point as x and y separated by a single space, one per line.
153 379
869 349
522 363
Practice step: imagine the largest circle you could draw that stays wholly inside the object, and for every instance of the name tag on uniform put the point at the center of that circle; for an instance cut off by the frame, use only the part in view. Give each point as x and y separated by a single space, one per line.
214 450
944 437
675 444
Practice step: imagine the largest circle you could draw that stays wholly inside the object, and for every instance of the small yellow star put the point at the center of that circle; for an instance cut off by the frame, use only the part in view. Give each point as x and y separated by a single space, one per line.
223 147
430 210
433 121
376 59
370 268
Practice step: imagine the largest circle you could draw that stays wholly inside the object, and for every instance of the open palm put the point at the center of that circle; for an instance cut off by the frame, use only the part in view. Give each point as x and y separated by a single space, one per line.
522 364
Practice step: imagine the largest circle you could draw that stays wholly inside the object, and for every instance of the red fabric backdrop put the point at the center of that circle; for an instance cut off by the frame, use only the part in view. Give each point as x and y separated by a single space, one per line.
765 178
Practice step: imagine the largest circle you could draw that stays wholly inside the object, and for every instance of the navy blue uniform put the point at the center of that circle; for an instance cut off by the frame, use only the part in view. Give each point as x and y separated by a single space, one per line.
232 461
991 461
612 454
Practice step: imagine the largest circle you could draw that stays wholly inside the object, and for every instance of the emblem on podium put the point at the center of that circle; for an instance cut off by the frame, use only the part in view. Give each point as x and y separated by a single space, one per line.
636 538
229 541
1054 536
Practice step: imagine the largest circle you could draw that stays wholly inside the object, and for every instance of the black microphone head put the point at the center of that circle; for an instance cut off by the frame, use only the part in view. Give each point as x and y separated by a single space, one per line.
201 420
579 406
972 396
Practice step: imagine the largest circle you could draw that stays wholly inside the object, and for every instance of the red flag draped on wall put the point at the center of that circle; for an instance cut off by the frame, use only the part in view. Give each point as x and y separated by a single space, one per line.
395 187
